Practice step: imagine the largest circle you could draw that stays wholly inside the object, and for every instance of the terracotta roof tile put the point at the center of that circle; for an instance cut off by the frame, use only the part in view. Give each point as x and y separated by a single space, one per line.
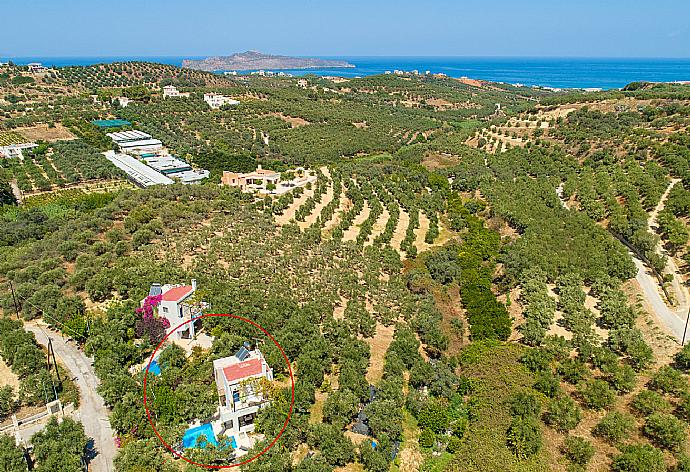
243 370
176 294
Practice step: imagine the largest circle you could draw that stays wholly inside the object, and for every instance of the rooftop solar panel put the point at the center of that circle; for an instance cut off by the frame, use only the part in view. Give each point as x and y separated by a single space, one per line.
242 354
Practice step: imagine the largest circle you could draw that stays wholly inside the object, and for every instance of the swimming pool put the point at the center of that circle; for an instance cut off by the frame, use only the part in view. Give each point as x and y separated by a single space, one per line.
191 436
154 368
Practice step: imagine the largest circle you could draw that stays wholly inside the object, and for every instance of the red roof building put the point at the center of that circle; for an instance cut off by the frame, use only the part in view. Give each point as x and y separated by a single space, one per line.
243 370
177 294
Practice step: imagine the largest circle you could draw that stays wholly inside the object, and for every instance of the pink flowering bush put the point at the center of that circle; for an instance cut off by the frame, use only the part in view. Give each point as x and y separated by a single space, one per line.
149 306
149 325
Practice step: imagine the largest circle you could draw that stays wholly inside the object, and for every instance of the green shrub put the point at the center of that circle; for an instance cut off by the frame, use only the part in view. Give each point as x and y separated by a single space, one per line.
683 464
524 437
548 384
615 427
573 371
596 394
668 380
683 357
665 430
639 458
563 414
427 438
537 360
622 379
683 409
524 405
578 450
647 402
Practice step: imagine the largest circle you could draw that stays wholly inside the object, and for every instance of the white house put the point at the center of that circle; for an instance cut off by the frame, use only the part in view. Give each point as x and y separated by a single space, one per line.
170 91
302 83
239 381
36 67
215 100
177 306
122 101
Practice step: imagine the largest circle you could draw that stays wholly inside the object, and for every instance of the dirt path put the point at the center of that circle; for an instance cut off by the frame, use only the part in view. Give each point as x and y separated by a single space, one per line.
325 200
400 230
345 205
378 346
7 377
16 191
680 291
289 213
379 226
351 233
420 233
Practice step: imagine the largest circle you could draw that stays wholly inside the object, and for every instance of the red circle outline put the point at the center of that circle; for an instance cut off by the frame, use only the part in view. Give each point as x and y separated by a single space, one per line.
292 401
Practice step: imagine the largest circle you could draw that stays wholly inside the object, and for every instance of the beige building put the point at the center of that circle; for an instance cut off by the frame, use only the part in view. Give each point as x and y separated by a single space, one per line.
258 180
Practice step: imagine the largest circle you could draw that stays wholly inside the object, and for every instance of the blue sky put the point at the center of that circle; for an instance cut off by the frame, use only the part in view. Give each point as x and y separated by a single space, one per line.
586 28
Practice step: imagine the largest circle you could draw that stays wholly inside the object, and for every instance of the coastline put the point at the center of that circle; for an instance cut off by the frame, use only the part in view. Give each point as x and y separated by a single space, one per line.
564 73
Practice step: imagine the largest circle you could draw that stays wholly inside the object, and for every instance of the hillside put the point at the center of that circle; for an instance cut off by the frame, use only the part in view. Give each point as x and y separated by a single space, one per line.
254 60
471 263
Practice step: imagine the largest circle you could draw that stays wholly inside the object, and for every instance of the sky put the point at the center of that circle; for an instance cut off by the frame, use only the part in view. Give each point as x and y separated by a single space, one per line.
537 28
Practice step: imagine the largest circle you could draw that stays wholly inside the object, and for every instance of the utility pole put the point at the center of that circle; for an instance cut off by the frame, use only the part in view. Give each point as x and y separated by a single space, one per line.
51 350
14 299
682 343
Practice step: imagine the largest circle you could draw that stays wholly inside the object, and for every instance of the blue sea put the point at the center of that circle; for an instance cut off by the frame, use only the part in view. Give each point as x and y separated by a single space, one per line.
549 72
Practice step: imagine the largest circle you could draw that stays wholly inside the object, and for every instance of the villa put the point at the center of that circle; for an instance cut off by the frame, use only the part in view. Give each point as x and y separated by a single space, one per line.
177 306
216 101
170 91
36 68
238 381
267 181
122 101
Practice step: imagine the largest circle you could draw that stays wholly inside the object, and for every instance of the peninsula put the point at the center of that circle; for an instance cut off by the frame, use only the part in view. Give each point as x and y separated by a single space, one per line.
254 60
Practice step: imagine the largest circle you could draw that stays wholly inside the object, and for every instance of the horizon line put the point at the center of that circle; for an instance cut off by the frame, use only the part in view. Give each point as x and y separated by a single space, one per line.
487 56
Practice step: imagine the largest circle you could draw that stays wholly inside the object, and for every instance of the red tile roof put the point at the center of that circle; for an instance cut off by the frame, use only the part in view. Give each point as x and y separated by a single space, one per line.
176 294
243 370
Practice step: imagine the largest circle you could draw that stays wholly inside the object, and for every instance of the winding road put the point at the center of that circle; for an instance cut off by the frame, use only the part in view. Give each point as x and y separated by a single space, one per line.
674 317
92 411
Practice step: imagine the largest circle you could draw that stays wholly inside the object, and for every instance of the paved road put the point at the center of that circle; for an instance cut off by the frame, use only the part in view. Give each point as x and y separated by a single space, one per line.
672 318
92 411
650 289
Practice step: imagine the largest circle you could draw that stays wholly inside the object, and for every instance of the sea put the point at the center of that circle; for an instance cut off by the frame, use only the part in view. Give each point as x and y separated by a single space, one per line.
589 73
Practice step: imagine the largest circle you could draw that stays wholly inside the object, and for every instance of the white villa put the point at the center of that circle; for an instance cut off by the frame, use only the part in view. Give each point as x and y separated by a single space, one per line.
176 305
122 101
240 394
36 68
216 101
170 91
267 181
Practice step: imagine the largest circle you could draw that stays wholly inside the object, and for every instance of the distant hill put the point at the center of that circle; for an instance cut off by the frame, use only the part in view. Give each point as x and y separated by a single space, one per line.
254 60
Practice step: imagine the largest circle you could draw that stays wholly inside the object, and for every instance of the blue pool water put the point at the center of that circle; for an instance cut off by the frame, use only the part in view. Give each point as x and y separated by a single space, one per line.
192 434
154 368
189 440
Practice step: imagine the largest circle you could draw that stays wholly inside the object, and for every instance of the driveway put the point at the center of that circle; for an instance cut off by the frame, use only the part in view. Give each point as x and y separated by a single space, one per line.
92 411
